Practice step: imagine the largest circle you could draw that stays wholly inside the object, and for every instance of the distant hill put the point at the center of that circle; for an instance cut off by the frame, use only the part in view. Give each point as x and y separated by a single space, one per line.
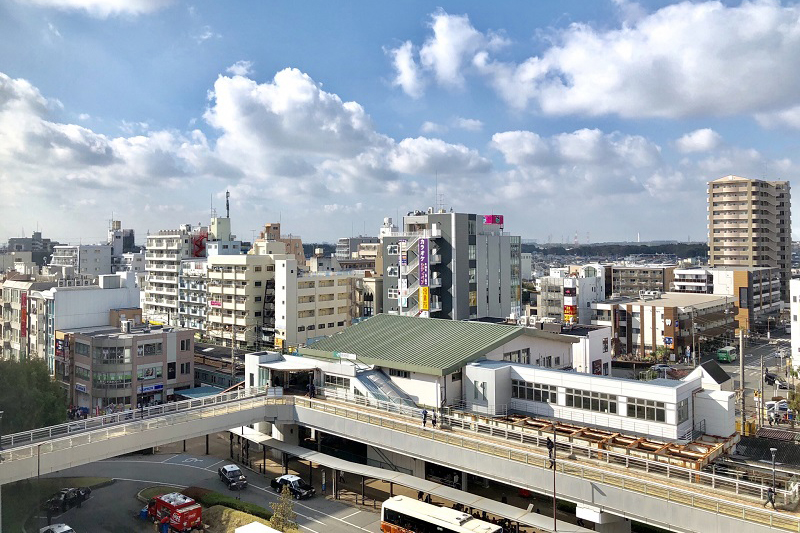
681 249
327 248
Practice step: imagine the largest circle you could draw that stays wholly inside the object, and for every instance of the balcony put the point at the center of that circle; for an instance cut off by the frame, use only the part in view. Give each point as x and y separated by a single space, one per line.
435 283
435 259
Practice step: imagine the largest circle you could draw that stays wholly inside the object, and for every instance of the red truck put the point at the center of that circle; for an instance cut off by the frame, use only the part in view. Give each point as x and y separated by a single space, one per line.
183 512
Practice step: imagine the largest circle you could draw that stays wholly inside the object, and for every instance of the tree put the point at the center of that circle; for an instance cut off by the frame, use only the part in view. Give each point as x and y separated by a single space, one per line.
28 397
283 514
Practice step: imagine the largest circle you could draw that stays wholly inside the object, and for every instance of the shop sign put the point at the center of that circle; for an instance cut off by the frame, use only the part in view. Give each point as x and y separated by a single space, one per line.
80 387
152 388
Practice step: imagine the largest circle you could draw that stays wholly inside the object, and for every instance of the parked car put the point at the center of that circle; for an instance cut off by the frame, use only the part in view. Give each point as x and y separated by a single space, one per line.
299 488
232 476
66 498
779 405
660 368
57 528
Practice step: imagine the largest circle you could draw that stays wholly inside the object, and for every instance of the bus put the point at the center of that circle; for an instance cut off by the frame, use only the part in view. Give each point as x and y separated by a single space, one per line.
728 354
402 514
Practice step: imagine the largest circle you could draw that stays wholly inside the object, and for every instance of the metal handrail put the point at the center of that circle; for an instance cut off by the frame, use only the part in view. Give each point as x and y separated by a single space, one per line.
590 473
251 398
102 421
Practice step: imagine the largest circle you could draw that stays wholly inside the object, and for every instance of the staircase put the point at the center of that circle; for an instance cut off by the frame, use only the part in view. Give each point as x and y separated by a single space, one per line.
382 389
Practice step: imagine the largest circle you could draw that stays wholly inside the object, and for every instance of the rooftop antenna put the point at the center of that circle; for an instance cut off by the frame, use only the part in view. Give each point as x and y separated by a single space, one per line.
227 204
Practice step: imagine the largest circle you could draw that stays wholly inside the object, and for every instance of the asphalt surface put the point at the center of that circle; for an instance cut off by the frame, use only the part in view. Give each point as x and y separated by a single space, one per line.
115 508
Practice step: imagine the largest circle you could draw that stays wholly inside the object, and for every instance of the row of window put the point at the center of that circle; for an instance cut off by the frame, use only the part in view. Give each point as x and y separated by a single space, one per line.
649 409
337 381
320 326
592 401
533 391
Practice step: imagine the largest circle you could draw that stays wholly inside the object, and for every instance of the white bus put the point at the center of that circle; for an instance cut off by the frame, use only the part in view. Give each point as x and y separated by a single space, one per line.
401 514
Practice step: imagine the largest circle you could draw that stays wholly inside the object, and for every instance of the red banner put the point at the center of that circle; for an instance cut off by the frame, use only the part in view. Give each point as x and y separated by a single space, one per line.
23 315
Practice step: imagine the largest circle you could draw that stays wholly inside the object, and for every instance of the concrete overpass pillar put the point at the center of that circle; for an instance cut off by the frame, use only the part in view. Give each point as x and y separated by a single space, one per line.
604 522
287 433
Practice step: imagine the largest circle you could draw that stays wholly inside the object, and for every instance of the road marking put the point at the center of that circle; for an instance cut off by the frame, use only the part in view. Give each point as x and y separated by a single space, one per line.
211 467
168 459
352 514
192 460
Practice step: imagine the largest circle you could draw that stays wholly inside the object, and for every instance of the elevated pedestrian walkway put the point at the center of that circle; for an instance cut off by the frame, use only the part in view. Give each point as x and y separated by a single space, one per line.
443 492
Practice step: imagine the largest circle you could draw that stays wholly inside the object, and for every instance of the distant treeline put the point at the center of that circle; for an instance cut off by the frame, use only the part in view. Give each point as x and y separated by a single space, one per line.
328 249
682 250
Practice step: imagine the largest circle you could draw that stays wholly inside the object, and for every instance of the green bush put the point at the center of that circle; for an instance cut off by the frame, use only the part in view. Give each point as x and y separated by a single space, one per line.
209 498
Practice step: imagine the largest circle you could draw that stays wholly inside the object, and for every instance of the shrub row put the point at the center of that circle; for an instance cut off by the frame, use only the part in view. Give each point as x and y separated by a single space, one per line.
209 498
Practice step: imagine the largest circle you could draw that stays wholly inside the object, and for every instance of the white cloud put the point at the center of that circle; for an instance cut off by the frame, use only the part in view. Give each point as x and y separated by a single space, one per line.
452 46
408 75
434 156
787 117
702 140
205 34
469 124
105 8
84 116
53 30
432 127
686 59
241 68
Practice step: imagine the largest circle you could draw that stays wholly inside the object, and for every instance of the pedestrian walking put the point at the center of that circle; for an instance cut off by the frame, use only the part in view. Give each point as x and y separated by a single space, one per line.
433 420
424 417
420 495
428 499
550 447
770 497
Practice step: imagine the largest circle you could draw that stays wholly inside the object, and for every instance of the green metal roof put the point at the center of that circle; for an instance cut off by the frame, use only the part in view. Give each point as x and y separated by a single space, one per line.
428 345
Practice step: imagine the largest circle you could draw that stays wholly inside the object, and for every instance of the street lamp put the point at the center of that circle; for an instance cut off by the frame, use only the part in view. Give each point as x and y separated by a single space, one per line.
773 451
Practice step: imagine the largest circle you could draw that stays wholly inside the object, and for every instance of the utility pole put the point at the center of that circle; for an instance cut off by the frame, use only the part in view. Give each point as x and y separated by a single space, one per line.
555 506
741 376
233 354
761 396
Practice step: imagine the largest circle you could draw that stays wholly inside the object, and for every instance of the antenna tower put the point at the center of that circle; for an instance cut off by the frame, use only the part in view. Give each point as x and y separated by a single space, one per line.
227 204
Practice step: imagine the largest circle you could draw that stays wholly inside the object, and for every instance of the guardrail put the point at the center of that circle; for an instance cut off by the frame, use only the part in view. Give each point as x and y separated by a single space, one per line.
102 421
680 496
679 473
118 425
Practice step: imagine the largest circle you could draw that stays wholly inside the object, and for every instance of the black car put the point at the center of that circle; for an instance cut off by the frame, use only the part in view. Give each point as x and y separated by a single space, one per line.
232 477
66 498
299 488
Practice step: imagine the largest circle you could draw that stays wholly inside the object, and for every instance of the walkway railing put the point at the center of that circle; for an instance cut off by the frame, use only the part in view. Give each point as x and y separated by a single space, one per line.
696 500
114 426
103 421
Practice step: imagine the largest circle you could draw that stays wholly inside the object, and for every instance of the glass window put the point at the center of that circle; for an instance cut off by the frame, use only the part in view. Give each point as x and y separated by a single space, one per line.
683 411
536 392
647 410
600 402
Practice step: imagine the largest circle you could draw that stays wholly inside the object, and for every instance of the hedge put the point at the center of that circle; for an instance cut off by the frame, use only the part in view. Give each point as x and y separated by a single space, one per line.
209 498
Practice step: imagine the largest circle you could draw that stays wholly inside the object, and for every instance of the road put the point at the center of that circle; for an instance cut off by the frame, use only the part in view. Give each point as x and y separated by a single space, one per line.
115 507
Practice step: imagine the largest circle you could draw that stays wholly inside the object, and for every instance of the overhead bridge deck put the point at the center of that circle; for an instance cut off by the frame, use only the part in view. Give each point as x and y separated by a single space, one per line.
665 495
515 514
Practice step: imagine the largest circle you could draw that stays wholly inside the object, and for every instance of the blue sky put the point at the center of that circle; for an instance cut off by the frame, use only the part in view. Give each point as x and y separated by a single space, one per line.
601 117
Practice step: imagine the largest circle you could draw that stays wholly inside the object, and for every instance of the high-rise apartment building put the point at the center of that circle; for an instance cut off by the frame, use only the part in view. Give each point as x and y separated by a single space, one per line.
165 251
450 265
294 243
83 259
632 279
347 247
749 225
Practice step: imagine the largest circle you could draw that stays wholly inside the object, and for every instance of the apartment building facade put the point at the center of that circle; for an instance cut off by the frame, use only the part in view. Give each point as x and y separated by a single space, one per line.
451 265
674 321
17 336
631 279
165 251
755 291
84 259
192 293
294 243
348 247
749 225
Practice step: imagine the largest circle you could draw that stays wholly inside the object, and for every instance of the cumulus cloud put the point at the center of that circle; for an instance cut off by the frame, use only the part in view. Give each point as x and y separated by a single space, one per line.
702 140
241 68
443 55
686 59
408 75
432 127
469 124
105 8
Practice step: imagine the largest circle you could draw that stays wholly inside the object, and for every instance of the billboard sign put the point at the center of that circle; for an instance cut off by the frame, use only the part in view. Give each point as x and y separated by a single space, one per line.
570 312
424 299
80 387
422 251
404 258
597 367
669 342
403 288
215 303
496 220
23 315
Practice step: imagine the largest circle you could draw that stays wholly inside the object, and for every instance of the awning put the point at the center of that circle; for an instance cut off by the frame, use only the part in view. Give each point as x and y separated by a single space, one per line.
515 514
199 392
293 365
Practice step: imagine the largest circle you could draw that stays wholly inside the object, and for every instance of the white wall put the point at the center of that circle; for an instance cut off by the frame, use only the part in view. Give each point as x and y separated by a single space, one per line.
539 347
590 348
80 307
718 410
424 389
500 389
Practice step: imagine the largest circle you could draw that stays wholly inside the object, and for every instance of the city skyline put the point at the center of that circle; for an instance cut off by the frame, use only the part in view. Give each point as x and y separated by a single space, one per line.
606 119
